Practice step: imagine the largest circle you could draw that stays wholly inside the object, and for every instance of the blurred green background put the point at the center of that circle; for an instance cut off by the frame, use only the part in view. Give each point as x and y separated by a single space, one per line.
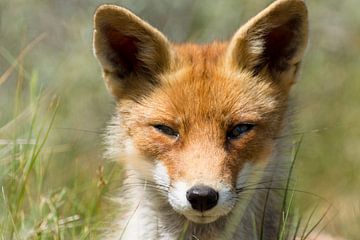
60 63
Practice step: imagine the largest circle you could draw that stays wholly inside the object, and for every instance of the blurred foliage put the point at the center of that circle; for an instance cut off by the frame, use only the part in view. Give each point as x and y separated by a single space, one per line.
327 107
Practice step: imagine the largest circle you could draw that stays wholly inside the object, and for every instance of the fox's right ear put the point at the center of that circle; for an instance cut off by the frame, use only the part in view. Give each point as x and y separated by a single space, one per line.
131 52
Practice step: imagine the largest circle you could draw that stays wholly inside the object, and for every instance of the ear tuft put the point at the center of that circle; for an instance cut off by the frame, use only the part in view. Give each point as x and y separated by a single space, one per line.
125 51
281 44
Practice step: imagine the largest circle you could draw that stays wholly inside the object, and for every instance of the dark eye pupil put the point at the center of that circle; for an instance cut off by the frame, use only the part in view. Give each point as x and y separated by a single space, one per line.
166 130
239 130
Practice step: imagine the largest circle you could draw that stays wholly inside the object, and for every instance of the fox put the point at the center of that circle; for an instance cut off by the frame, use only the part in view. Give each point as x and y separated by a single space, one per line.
198 127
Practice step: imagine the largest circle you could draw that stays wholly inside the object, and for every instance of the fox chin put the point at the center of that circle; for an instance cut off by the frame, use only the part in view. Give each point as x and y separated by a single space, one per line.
198 127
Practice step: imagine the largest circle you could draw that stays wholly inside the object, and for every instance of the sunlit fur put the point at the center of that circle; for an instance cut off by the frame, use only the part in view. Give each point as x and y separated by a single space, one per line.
200 91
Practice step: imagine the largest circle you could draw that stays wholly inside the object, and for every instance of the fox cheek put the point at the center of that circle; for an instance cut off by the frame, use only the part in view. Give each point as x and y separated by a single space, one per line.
161 175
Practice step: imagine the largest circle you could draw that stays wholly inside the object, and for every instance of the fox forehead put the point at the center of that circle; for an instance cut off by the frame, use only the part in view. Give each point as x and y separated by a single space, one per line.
201 86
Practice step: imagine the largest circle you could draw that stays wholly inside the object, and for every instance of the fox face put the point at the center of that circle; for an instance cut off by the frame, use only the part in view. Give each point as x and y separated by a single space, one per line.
192 118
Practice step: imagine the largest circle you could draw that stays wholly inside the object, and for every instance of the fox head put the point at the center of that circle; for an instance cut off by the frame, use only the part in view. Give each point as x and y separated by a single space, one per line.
191 117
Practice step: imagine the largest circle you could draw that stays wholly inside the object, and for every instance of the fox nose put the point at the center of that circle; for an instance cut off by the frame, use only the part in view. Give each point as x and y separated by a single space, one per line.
202 198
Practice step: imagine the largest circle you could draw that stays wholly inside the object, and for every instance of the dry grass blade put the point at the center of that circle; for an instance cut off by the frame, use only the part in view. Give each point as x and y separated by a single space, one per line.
22 54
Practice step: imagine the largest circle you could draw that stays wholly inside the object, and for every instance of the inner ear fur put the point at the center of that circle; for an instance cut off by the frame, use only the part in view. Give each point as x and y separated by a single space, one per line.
128 48
273 42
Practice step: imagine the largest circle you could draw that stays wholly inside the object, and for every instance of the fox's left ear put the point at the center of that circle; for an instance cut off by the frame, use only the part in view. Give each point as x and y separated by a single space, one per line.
273 42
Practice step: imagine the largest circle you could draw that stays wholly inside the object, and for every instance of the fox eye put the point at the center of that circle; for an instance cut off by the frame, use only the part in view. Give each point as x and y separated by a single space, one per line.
239 130
166 130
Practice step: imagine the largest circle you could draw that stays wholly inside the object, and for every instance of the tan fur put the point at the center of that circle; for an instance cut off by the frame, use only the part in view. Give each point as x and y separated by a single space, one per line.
201 91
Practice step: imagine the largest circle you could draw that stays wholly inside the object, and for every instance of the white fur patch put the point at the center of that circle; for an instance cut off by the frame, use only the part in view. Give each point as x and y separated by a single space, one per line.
135 160
177 197
225 200
161 175
129 148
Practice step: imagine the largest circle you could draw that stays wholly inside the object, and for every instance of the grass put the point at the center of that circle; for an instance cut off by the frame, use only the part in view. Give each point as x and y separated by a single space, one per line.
31 207
31 210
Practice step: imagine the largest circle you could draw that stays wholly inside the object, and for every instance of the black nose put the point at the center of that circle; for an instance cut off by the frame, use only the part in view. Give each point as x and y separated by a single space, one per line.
202 198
